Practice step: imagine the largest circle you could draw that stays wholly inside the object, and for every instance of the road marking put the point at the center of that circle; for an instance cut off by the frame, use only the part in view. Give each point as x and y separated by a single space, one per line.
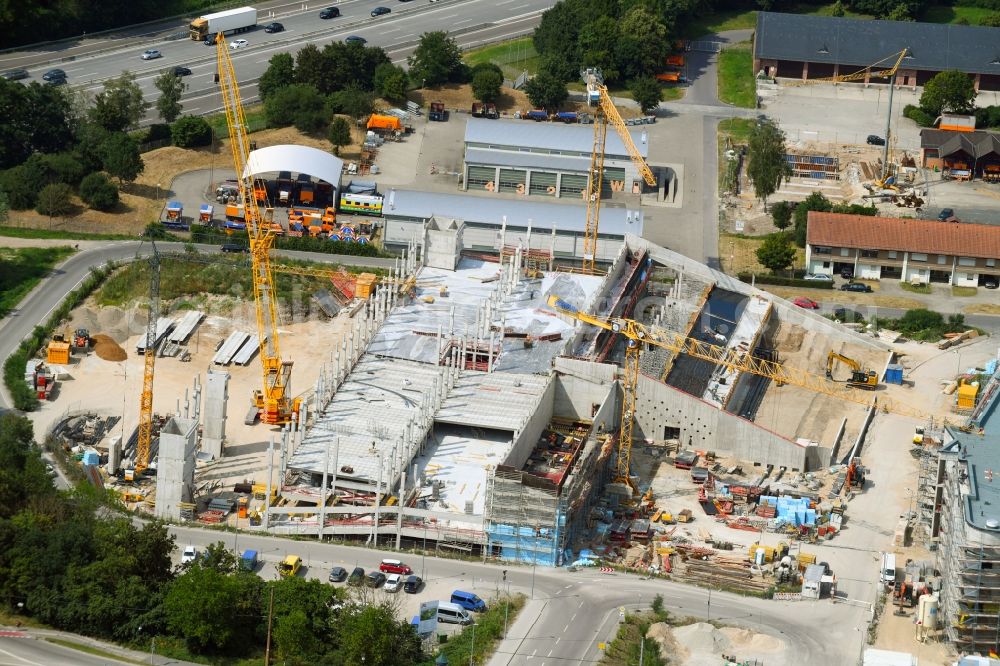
459 23
27 661
514 9
567 627
580 606
386 32
505 2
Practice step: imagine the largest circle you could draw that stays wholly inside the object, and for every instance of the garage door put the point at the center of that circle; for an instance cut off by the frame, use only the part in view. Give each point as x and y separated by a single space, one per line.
513 180
617 176
479 176
543 183
572 185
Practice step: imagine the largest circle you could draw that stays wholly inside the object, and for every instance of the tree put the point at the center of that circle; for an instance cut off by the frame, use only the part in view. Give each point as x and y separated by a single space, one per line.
645 42
390 82
781 213
767 167
557 38
991 20
4 208
949 91
437 59
339 134
914 321
815 201
212 610
599 42
121 158
647 92
486 82
191 132
546 91
55 200
352 101
280 72
371 635
120 106
171 89
837 9
98 192
299 103
776 253
900 12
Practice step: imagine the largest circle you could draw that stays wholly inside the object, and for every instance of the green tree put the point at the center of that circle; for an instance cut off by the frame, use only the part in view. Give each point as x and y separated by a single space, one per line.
63 167
171 89
98 192
217 556
920 319
815 201
599 42
557 38
55 200
23 481
900 12
121 158
767 167
647 92
781 214
390 82
486 83
120 106
295 104
991 20
776 253
372 636
305 619
212 610
837 9
546 91
20 187
280 72
950 91
645 42
352 101
339 134
191 132
4 208
437 59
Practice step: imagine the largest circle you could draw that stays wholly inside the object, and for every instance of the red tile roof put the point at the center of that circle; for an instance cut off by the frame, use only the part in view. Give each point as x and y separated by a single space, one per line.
890 233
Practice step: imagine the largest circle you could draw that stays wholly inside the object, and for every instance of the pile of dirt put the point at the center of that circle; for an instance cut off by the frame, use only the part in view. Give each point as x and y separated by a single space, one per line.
107 349
702 637
662 634
744 640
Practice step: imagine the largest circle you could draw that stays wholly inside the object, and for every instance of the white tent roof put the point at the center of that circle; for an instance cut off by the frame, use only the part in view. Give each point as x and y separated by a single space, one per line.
297 159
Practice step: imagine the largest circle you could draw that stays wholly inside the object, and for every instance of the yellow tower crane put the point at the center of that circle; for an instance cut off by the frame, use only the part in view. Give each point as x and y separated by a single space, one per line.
273 401
637 334
605 113
145 438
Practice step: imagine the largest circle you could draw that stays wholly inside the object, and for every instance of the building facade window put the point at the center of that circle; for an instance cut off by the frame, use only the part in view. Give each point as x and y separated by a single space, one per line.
990 263
822 249
869 254
942 260
966 261
892 254
918 256
845 252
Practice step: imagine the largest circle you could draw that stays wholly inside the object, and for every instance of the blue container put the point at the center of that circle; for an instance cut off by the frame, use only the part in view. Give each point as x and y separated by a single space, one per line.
894 374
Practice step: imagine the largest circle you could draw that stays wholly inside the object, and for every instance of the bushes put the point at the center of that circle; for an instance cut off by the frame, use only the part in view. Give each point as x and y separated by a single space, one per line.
98 192
55 200
286 106
918 115
191 132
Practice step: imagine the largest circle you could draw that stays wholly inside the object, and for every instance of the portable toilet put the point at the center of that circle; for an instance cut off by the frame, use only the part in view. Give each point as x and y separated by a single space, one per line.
894 374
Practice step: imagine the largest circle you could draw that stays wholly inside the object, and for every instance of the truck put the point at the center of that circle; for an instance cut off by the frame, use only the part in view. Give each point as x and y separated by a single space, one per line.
228 22
671 77
568 116
537 115
438 113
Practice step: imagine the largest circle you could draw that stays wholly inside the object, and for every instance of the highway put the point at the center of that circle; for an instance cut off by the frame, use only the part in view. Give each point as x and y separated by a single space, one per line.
470 22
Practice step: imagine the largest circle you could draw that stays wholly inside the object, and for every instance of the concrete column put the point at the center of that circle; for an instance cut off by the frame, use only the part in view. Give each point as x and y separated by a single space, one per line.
451 322
527 236
323 492
378 500
270 475
440 342
558 184
490 353
805 71
552 248
399 510
503 233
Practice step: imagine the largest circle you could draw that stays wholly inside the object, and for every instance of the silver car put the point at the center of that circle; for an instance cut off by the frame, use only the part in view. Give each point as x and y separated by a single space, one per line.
151 54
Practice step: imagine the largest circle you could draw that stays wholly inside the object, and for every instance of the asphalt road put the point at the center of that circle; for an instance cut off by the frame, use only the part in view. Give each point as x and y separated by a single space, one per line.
39 304
470 22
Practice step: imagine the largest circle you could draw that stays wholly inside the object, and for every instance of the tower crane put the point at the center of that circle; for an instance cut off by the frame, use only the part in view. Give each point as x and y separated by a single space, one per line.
144 441
272 402
605 113
636 334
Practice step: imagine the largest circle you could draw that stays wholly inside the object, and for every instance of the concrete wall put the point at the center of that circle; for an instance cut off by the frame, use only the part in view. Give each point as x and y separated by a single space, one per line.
175 467
214 416
704 427
527 438
582 387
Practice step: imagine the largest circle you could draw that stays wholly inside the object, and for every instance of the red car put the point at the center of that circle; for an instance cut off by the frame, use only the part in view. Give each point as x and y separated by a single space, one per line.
807 303
394 566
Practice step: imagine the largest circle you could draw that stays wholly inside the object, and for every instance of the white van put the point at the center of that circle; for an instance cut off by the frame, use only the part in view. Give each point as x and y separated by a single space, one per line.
888 575
453 613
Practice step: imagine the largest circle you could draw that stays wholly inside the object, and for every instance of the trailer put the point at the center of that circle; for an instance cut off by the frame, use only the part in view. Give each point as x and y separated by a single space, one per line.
228 22
206 213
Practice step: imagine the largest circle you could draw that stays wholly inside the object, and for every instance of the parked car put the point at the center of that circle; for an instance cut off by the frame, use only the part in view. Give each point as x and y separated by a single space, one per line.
151 54
274 27
234 247
394 566
357 577
468 601
413 584
329 13
15 74
847 273
875 140
374 579
990 282
393 582
856 286
843 314
54 74
807 303
819 277
379 11
181 71
946 215
189 555
354 39
337 575
209 39
238 44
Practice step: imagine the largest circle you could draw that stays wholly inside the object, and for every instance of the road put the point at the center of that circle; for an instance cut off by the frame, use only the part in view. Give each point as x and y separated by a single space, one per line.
28 647
470 22
46 297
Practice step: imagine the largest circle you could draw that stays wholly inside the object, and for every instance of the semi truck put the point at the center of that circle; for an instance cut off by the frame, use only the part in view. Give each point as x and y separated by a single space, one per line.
227 22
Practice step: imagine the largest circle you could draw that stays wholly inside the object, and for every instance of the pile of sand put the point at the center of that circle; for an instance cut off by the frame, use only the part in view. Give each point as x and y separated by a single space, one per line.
702 637
662 634
108 349
744 640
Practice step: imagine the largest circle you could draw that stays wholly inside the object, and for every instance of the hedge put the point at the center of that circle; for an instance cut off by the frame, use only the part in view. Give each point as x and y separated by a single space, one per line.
778 280
209 235
13 368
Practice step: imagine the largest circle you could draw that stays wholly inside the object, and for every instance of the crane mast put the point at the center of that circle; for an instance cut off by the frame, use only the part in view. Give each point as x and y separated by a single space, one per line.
604 114
272 402
144 442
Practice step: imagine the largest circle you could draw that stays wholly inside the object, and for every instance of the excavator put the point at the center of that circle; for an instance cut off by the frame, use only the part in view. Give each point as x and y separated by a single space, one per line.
860 378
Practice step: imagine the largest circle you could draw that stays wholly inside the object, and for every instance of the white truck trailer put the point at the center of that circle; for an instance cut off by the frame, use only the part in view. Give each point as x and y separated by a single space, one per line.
228 22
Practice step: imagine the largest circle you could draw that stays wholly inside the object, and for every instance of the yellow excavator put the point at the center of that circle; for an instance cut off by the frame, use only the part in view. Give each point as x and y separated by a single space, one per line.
860 377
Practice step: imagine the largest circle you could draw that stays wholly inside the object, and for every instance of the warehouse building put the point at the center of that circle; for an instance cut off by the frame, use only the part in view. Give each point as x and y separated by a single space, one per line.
491 223
877 248
544 159
811 47
962 155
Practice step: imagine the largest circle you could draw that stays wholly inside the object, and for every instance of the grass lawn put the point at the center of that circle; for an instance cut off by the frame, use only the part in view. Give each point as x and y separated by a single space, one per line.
256 121
513 57
22 269
736 82
738 131
738 254
746 20
916 288
945 14
489 628
28 232
97 652
964 291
